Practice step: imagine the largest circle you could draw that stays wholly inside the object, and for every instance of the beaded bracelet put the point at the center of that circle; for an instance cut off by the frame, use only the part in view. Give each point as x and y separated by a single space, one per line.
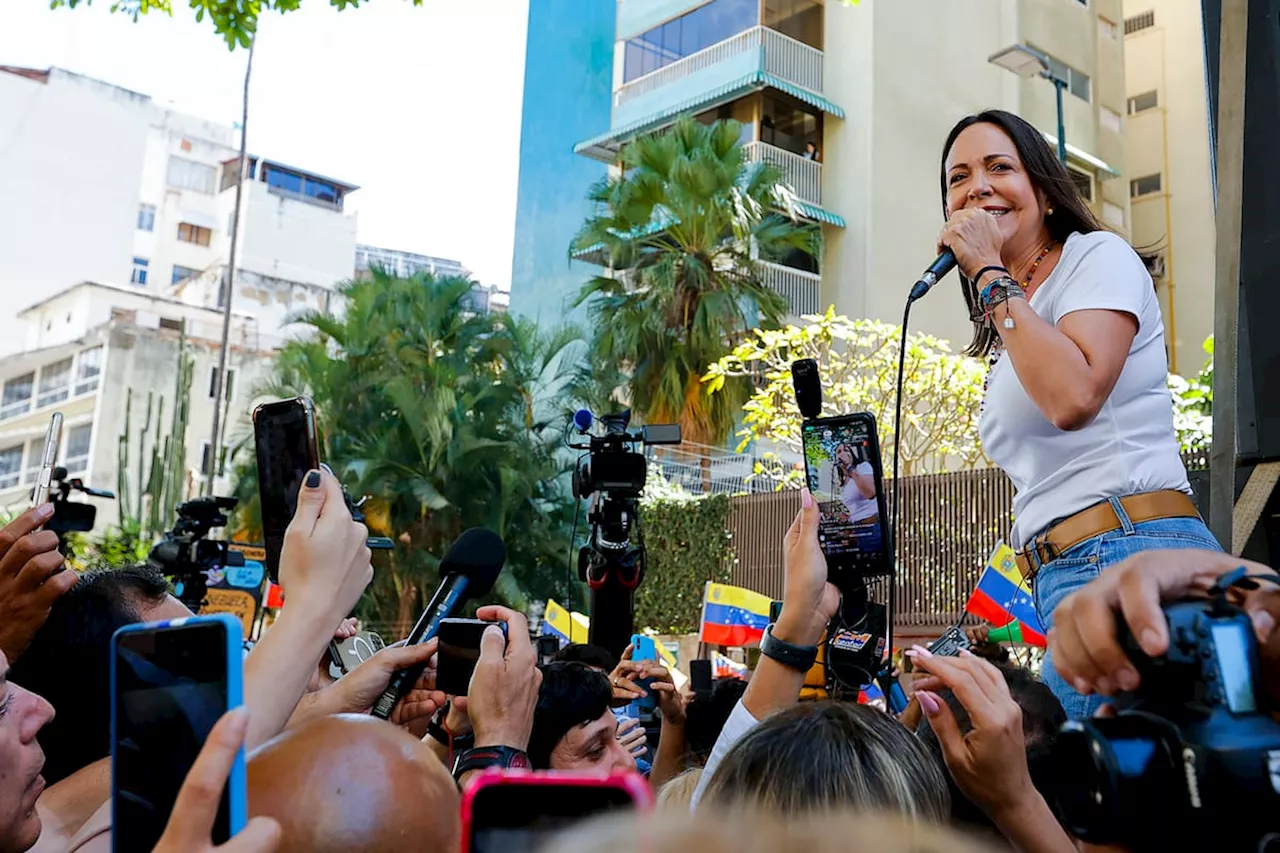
1002 283
1000 295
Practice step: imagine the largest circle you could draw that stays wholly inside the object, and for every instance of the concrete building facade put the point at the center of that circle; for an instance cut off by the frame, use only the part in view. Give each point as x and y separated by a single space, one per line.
1170 172
874 86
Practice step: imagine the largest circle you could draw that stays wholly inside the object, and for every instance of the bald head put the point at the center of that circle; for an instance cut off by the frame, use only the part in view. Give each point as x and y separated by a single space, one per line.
354 784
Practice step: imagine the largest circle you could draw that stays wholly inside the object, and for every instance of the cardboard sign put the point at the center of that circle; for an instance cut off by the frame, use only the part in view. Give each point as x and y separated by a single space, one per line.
237 602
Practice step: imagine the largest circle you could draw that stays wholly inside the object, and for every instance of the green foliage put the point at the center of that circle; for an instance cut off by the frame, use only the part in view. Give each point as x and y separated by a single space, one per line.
447 420
1193 405
858 362
235 20
678 227
688 543
116 548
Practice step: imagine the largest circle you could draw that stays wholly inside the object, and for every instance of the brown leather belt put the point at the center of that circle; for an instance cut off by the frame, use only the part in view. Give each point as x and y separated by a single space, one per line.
1098 519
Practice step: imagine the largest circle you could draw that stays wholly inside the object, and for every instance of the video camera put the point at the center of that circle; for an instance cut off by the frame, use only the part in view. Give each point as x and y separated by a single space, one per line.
612 474
68 516
186 556
1189 762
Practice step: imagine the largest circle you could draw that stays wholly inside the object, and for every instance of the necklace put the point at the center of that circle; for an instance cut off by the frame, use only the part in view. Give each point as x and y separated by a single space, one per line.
997 348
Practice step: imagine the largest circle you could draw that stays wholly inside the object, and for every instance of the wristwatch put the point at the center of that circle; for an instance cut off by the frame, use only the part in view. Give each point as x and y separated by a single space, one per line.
788 654
439 730
483 757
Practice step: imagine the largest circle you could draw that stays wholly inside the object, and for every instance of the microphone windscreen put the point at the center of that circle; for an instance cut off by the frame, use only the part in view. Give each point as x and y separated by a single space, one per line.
479 554
583 419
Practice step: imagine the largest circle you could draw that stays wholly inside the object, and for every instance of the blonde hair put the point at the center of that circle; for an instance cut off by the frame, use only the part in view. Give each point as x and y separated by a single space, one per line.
830 756
847 832
677 793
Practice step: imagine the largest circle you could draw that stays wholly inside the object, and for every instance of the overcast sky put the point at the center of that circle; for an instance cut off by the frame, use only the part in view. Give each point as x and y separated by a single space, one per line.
418 106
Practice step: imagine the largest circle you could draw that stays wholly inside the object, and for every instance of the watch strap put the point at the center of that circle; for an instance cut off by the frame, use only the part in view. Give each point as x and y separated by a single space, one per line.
438 729
483 757
790 655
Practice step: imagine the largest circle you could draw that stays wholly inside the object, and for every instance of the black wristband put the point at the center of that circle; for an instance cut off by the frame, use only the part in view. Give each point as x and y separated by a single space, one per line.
437 729
987 269
788 654
483 757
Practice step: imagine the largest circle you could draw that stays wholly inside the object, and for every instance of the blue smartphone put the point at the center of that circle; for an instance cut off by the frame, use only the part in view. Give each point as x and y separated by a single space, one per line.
170 683
643 648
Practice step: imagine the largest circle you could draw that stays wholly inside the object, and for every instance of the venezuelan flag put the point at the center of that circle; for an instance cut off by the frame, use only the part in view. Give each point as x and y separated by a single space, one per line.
870 693
565 626
733 616
1004 596
723 666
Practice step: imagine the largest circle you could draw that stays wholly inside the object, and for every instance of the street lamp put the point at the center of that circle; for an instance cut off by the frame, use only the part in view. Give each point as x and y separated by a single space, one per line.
1028 62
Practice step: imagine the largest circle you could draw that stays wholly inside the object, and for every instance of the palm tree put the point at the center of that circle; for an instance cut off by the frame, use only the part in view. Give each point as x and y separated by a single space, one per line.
682 227
447 419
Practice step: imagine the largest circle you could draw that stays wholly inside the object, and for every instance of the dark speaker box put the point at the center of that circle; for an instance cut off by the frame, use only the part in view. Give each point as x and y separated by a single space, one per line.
1258 421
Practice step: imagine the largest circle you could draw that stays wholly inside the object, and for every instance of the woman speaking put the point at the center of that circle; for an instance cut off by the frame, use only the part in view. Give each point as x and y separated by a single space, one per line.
1075 407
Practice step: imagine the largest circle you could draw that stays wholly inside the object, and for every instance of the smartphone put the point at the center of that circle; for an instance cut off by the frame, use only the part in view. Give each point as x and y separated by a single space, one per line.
516 811
807 383
458 652
643 648
845 476
348 654
700 677
170 682
48 457
287 448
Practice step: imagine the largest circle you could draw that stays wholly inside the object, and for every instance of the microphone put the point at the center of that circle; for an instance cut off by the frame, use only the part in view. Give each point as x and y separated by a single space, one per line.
944 264
469 568
583 419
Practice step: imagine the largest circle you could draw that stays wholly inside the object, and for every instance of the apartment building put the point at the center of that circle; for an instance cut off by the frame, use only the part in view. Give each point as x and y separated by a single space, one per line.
1170 172
875 87
406 264
103 184
100 345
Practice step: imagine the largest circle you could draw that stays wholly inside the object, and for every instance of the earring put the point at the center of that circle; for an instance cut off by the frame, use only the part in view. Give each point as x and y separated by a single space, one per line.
1049 212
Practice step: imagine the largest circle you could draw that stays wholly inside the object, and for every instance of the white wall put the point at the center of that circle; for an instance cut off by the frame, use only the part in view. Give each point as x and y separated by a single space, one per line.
289 239
70 153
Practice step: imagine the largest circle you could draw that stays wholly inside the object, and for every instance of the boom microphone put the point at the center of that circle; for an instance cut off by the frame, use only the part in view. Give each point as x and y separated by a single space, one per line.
944 264
469 568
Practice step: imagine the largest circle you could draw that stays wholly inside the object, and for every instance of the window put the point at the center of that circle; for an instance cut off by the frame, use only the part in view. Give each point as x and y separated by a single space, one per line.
1108 29
17 395
1109 119
709 24
55 383
76 456
1078 83
11 467
789 125
1113 214
800 19
171 324
1083 182
180 273
88 371
139 274
1139 22
302 187
1146 185
229 392
190 175
189 233
1143 102
147 217
206 460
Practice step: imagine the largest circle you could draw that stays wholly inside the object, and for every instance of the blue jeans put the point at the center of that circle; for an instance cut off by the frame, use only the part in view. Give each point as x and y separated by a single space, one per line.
1079 565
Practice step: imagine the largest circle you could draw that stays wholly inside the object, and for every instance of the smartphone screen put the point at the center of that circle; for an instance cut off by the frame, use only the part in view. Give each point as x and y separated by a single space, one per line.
171 683
287 449
458 652
348 654
519 818
842 465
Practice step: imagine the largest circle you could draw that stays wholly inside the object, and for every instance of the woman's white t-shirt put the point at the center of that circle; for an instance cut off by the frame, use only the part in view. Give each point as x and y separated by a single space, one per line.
1130 447
859 507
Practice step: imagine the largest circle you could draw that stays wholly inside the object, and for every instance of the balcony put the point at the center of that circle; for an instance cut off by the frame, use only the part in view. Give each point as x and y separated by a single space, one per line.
762 48
801 289
803 176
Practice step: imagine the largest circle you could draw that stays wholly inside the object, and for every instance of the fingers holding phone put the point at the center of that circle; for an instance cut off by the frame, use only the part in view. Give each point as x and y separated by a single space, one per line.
325 559
31 578
632 736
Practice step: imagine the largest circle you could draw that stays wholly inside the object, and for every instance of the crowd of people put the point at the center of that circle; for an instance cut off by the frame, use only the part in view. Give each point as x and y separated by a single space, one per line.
324 775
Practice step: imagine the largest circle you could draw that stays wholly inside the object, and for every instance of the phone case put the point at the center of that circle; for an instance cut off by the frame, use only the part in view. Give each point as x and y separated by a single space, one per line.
237 786
635 785
313 462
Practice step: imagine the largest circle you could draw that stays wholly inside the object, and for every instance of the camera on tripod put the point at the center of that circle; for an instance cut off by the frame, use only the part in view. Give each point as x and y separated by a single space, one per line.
69 516
1189 761
186 556
612 474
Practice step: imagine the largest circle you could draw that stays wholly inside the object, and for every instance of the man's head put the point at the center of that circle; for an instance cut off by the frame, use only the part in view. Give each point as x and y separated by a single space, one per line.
22 715
352 782
69 659
596 657
573 728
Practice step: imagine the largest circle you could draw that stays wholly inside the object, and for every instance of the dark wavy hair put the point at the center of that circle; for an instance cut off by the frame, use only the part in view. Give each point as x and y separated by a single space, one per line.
1048 175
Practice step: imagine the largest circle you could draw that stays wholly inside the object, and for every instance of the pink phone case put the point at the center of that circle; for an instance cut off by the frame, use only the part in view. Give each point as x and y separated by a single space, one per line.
635 786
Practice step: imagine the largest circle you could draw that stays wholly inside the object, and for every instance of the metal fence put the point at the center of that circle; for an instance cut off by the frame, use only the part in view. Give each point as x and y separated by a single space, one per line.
950 522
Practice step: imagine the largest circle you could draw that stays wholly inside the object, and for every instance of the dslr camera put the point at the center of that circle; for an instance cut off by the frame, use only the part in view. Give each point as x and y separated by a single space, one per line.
187 556
1189 762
